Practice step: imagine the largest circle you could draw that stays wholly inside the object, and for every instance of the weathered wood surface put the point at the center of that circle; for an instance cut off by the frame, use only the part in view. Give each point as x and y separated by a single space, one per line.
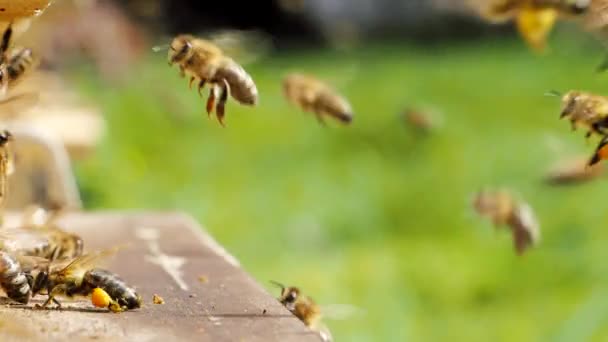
229 306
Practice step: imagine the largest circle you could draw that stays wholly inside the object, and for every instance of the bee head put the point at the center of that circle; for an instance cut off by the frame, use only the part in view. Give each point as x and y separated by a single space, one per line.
569 101
5 137
180 49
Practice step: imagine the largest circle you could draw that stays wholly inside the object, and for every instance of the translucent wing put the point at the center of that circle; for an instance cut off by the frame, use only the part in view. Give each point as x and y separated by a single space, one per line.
340 312
244 46
30 263
88 261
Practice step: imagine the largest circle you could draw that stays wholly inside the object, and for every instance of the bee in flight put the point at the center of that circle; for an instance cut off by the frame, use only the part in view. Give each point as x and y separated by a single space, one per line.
586 109
205 62
78 277
534 18
304 308
312 95
504 210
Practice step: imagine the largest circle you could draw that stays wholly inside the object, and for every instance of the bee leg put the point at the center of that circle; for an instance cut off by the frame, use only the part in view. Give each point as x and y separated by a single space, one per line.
192 78
573 125
6 40
182 72
211 100
221 104
201 85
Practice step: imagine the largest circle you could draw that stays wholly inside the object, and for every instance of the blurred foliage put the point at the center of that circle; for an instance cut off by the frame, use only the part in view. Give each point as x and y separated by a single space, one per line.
374 215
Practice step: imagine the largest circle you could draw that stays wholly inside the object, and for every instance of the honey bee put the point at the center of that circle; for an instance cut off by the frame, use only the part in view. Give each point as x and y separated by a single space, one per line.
13 280
534 19
79 277
40 238
304 308
505 211
205 62
312 95
586 109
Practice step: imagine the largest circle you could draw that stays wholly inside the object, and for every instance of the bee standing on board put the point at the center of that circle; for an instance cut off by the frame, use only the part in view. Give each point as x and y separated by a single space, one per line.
304 308
504 210
534 18
46 239
586 109
312 95
79 277
205 62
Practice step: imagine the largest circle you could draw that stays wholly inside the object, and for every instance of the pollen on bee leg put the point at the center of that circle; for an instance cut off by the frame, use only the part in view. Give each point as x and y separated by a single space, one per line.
100 298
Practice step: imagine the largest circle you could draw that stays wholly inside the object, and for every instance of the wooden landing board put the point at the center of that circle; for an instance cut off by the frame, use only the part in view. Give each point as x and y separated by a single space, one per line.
228 305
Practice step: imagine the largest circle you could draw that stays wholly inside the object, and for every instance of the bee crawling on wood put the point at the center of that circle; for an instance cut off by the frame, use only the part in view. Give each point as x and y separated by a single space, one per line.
504 210
304 308
312 95
80 277
205 62
40 236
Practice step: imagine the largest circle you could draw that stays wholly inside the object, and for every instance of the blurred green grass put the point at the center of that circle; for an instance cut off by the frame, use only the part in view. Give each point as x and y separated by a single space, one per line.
373 215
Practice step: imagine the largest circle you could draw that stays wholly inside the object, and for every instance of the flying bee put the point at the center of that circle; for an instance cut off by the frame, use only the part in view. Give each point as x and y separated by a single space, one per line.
312 95
505 211
79 277
304 308
205 62
586 109
534 19
19 63
13 279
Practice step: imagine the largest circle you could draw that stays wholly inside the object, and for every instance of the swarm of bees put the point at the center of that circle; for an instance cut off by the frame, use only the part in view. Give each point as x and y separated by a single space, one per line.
39 257
505 211
206 63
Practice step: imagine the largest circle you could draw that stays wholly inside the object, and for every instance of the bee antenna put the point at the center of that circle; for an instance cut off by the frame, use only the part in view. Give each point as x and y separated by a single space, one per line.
276 283
553 93
159 48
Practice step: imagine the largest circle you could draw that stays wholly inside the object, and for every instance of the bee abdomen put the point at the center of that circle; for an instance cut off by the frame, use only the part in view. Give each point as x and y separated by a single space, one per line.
117 288
335 106
13 280
19 63
242 87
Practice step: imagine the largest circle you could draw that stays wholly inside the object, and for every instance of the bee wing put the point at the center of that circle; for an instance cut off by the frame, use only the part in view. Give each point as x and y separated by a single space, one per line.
341 312
14 105
88 261
323 331
244 46
29 263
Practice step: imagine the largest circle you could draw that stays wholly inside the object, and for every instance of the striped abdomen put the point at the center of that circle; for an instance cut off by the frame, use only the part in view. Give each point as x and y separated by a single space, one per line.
242 87
13 280
19 63
117 288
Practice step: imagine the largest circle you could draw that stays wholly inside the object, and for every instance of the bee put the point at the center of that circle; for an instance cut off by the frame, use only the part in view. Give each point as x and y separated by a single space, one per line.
13 280
312 95
421 121
79 277
534 19
40 238
205 62
505 211
586 109
304 308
